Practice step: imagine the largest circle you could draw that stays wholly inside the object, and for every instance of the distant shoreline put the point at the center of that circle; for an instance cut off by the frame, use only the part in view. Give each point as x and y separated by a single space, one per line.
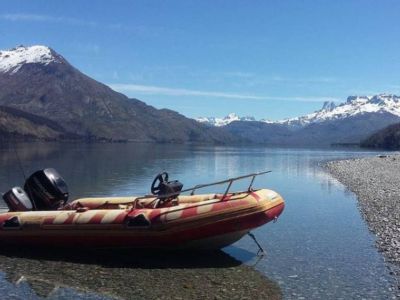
376 182
4 141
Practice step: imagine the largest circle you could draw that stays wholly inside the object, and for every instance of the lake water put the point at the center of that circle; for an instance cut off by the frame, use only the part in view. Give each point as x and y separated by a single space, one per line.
320 248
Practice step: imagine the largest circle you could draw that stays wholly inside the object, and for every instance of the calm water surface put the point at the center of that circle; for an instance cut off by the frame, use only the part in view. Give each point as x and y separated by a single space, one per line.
320 248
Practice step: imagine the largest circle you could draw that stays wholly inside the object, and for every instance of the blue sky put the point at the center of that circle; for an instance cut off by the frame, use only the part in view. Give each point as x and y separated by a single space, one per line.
270 59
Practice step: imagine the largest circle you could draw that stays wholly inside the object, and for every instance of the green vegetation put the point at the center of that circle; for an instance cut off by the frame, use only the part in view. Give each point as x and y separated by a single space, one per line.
387 138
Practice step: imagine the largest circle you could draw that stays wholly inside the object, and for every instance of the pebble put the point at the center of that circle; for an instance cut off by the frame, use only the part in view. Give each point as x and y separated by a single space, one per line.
376 182
134 275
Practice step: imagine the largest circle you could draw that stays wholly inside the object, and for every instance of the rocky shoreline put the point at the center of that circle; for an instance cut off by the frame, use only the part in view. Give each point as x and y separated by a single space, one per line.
376 182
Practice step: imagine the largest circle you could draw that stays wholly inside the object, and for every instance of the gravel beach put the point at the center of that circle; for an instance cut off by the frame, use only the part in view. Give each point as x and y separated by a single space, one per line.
376 182
132 275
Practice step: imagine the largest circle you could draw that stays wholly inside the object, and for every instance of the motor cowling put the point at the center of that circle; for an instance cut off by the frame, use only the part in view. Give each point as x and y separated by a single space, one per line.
47 189
170 187
17 200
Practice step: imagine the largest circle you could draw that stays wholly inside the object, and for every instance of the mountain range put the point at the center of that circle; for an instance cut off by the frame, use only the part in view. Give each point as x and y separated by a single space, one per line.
345 123
44 97
218 122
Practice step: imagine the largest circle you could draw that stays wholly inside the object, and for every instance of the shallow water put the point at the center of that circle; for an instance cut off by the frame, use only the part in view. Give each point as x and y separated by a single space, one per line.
319 248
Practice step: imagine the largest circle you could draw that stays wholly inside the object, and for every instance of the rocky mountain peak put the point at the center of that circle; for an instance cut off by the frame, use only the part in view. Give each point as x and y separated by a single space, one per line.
12 60
355 99
231 116
382 99
354 106
215 121
328 106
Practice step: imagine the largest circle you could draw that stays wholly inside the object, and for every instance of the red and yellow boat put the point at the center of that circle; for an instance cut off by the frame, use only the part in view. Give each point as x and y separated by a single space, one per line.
167 219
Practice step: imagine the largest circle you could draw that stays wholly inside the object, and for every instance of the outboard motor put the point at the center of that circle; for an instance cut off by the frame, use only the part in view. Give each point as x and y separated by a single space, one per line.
47 189
161 186
17 200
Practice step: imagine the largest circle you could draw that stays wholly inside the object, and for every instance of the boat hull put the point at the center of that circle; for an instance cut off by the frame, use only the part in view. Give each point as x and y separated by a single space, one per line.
210 224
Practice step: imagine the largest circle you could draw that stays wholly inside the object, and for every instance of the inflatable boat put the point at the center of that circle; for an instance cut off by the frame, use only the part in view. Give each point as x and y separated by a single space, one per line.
39 215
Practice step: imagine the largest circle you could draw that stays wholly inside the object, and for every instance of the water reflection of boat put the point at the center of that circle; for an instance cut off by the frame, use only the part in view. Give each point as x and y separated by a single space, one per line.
38 215
142 275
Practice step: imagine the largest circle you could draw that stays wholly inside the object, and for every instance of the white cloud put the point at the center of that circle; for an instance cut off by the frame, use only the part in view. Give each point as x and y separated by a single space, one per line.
115 75
238 74
302 80
46 18
22 17
156 90
394 87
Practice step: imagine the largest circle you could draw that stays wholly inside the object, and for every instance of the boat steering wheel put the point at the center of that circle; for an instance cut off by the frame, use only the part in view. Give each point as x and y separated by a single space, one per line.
160 178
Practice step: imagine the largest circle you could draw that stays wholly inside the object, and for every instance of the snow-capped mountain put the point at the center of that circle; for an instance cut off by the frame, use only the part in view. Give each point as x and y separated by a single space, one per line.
218 122
346 123
43 96
354 106
12 60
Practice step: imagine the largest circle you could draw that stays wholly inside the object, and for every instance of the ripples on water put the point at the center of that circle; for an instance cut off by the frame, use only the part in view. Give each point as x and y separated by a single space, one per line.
319 248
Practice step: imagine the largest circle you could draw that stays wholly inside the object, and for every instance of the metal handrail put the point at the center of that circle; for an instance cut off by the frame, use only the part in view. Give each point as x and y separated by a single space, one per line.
199 186
230 181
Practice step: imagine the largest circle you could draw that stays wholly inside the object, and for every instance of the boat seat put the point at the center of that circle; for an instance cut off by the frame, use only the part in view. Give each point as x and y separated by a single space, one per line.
126 202
100 203
182 199
196 198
